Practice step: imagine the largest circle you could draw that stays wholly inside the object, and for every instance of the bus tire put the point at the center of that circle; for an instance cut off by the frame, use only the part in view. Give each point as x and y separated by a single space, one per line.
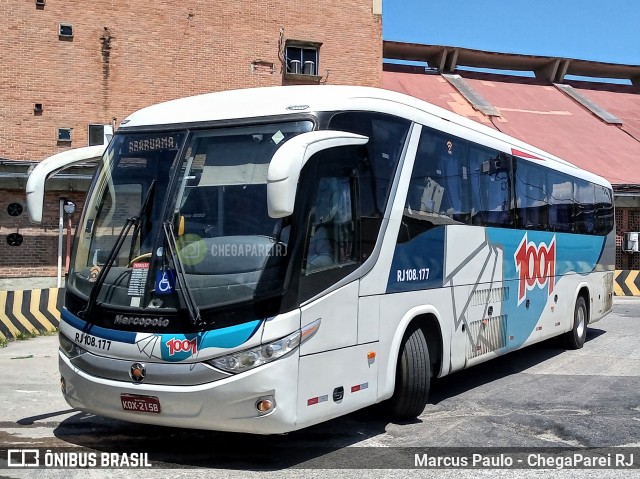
575 338
413 376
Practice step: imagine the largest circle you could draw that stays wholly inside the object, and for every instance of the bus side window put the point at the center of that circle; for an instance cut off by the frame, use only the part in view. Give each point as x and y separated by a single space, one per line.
387 135
439 187
561 216
490 173
446 165
604 210
584 195
532 206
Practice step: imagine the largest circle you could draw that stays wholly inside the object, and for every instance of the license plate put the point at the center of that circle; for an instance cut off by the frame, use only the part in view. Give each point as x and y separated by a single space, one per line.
138 403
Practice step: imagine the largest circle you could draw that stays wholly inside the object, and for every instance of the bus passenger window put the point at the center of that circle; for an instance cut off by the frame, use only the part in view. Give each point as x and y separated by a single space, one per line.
561 216
584 195
387 135
490 173
604 210
439 187
532 199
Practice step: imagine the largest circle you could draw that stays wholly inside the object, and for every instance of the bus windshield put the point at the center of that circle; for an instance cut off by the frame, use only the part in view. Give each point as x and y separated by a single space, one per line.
213 196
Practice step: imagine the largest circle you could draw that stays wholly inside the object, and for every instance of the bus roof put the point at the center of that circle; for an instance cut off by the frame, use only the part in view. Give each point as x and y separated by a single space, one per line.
257 102
290 100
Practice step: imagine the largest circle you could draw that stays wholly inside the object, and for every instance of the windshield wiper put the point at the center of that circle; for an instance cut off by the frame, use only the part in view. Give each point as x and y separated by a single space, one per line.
102 275
113 254
192 307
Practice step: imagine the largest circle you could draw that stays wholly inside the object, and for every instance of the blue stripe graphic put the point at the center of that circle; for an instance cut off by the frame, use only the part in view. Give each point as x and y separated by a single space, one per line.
225 338
110 334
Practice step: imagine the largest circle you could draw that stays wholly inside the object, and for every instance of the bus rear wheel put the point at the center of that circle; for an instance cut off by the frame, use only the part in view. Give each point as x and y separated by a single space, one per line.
413 376
575 338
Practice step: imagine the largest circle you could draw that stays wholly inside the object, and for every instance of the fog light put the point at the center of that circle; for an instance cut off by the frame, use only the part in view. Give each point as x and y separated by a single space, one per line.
63 385
265 405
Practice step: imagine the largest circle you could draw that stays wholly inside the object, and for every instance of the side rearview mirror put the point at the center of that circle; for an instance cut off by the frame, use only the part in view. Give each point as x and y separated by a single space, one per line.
287 163
50 166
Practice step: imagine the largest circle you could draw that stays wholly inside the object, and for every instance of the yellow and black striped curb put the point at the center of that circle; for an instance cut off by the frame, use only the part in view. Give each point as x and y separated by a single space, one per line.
626 282
29 311
32 311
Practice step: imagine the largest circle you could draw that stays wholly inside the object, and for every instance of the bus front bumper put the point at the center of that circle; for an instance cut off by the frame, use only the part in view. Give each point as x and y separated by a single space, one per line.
229 404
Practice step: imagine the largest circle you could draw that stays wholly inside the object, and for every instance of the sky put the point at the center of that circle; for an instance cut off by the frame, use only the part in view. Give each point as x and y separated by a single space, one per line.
598 30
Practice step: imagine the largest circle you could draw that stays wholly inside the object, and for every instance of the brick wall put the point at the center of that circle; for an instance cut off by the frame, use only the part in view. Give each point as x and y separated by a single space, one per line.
627 219
127 55
38 254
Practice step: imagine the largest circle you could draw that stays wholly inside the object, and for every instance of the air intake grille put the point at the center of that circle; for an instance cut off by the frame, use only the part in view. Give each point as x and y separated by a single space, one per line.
492 295
487 335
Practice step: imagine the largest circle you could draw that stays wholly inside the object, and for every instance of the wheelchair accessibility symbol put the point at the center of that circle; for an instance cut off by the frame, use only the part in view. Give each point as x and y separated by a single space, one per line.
165 281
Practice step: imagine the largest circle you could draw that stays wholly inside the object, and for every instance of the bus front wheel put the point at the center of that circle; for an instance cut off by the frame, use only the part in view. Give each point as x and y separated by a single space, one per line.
575 338
413 376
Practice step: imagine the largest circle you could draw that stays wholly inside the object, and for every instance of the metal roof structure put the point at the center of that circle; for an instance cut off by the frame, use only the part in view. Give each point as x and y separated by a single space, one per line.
594 125
447 59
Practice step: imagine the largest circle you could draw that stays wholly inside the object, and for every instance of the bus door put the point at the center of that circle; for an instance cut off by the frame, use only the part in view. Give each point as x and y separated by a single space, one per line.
336 374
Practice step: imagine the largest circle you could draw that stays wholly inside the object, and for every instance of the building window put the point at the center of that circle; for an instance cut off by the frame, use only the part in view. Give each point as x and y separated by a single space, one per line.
302 58
65 30
63 135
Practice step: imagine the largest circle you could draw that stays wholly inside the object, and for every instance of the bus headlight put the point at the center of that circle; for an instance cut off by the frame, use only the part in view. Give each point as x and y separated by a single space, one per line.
70 349
241 361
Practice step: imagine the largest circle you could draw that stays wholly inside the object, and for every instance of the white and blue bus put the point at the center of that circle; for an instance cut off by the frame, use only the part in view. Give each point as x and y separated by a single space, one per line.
263 260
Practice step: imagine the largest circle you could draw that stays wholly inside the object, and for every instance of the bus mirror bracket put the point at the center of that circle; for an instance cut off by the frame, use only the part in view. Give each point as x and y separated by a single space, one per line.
287 163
